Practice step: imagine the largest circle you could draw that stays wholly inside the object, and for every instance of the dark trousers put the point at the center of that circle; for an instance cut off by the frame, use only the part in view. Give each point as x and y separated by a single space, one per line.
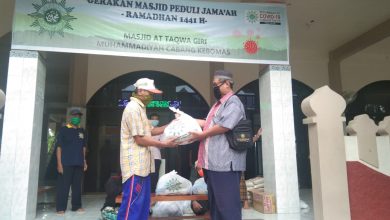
154 176
113 189
71 177
224 194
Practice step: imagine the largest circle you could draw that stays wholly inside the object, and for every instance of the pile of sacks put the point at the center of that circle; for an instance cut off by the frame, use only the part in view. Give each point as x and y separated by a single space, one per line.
254 183
174 184
258 183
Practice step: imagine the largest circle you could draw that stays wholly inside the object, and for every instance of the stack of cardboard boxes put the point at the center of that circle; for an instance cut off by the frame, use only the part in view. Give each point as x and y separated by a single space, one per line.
261 201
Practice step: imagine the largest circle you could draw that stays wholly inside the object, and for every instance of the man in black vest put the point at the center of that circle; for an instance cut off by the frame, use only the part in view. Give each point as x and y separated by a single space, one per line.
71 148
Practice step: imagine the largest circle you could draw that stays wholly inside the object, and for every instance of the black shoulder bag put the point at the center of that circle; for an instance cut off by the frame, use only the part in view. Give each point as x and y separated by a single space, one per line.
240 137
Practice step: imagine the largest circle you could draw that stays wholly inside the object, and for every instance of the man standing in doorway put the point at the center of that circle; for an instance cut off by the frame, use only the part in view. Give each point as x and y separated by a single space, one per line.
222 165
135 157
71 149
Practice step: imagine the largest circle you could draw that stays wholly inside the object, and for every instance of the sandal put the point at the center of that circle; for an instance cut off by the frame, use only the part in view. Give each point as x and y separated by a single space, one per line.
80 210
60 213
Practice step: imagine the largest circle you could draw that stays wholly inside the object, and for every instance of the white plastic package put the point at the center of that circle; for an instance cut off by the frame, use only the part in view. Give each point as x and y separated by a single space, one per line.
167 208
173 184
180 128
172 208
199 187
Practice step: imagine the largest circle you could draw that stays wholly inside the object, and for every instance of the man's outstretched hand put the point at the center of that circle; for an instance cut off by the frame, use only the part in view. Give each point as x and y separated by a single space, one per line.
170 143
196 136
258 134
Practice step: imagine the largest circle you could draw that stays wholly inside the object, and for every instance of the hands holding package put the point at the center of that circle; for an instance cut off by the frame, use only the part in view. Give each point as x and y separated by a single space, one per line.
181 131
185 130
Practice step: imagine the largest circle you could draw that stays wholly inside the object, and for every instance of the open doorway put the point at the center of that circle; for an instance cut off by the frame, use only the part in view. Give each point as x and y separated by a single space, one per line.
104 112
249 95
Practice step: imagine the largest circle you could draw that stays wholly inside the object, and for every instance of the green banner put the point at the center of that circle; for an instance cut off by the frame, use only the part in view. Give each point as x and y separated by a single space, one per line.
176 29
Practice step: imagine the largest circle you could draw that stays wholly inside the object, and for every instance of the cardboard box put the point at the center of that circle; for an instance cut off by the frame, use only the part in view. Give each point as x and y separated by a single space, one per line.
263 202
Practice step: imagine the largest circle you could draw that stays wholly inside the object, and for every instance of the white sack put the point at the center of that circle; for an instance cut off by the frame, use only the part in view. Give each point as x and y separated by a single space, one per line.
180 128
199 187
173 184
167 208
172 208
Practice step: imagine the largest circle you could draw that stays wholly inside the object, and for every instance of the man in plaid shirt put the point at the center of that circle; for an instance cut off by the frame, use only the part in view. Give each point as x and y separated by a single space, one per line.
135 157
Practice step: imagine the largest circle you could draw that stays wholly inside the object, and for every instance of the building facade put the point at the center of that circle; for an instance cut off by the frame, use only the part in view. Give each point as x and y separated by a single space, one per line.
41 86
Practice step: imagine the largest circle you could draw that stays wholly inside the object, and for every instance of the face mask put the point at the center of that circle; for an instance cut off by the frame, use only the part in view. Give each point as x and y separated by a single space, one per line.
154 123
75 121
144 99
147 99
217 92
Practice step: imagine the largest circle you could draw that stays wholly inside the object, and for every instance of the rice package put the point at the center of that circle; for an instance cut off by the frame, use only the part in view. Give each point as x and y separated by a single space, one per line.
180 128
167 208
173 184
199 187
172 208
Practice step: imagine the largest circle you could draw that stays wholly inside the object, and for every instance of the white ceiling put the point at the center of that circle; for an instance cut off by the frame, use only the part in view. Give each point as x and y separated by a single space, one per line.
335 22
381 48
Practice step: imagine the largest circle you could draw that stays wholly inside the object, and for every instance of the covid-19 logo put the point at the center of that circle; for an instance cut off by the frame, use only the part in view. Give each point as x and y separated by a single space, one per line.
251 16
52 17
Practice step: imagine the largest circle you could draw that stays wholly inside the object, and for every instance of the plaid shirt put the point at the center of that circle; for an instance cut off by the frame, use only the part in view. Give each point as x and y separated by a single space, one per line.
135 159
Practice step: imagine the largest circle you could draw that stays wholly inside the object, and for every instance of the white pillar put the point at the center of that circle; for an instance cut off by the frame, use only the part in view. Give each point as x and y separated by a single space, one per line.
278 139
21 143
328 164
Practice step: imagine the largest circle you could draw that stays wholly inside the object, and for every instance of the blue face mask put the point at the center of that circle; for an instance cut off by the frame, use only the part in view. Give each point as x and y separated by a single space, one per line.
154 123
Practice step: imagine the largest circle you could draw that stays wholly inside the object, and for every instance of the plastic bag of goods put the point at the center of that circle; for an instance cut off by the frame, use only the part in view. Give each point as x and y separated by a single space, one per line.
172 208
199 187
173 184
180 128
167 208
258 180
109 213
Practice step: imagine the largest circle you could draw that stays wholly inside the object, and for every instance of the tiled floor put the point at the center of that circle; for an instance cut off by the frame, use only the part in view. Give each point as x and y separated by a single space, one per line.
93 202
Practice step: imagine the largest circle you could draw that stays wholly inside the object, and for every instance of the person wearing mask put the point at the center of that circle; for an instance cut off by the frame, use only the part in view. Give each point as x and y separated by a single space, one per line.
135 157
156 154
221 164
71 149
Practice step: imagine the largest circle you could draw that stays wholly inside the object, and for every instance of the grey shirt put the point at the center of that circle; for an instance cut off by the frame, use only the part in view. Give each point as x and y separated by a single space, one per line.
220 157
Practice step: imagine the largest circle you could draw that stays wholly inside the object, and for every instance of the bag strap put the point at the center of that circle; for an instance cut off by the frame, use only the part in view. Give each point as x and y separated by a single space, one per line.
224 104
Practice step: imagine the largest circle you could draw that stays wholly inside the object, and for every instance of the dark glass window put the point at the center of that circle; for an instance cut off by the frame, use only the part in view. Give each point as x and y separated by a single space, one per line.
373 100
249 95
5 47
